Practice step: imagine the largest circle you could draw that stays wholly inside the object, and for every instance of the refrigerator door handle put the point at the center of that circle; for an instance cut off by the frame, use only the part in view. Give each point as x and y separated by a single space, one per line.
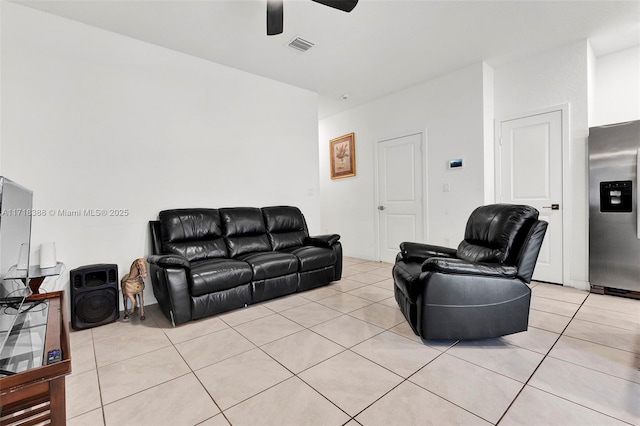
638 194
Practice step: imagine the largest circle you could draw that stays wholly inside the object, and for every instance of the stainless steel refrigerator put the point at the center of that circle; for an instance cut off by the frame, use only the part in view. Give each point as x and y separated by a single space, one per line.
614 218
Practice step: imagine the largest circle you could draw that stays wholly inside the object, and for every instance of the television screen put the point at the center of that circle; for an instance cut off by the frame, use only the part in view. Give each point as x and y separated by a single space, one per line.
16 203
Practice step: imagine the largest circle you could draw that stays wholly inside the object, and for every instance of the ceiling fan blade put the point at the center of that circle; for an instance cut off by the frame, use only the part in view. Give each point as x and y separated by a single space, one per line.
274 17
344 5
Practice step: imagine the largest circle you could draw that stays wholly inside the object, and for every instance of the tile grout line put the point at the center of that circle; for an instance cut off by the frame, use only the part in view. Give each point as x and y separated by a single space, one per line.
102 405
267 354
95 359
345 349
415 384
540 364
283 337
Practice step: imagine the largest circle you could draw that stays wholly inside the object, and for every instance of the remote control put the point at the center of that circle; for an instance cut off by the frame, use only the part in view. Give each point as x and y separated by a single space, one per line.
54 355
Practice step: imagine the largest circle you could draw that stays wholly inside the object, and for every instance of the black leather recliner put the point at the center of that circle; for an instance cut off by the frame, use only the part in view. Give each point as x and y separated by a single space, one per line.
479 290
208 261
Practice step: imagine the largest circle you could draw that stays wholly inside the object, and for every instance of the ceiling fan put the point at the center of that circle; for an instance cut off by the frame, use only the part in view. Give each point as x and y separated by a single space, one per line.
274 12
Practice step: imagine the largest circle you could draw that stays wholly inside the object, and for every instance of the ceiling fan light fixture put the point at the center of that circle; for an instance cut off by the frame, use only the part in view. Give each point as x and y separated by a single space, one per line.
301 44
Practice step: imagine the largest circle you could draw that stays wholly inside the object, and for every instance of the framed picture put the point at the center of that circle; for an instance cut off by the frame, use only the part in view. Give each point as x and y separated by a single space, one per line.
342 154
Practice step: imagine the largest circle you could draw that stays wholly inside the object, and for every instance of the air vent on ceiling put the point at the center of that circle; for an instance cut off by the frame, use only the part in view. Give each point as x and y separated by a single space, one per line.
301 44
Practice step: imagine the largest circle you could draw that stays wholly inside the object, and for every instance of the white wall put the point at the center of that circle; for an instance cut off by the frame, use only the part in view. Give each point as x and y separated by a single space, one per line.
450 109
94 120
617 87
488 112
557 77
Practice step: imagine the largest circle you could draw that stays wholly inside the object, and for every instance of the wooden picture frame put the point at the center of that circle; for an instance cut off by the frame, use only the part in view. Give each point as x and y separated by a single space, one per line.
342 155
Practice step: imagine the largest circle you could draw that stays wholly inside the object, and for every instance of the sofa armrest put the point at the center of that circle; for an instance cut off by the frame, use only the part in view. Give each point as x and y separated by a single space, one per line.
410 250
322 240
169 261
170 276
462 267
171 290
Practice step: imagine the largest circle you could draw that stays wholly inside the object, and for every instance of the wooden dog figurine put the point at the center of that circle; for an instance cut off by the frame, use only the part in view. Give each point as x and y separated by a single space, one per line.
132 286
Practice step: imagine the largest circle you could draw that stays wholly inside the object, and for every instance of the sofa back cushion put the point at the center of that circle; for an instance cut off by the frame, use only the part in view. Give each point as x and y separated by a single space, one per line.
244 230
286 226
195 234
496 232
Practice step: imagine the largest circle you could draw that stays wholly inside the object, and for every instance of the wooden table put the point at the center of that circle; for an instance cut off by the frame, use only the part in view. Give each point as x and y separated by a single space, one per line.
38 394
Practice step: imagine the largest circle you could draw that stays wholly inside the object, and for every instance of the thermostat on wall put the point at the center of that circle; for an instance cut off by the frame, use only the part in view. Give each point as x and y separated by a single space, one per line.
455 163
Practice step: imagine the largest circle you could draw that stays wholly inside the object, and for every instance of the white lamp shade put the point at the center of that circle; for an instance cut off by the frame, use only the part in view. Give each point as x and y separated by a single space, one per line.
47 255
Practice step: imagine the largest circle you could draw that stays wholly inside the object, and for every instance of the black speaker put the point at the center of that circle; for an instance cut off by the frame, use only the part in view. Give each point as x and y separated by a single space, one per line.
94 295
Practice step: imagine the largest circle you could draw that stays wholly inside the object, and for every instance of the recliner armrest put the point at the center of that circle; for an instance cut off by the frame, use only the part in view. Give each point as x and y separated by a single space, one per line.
322 240
169 261
410 250
459 266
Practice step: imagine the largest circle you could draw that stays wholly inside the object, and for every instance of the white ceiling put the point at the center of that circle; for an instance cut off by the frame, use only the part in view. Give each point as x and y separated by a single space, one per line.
380 47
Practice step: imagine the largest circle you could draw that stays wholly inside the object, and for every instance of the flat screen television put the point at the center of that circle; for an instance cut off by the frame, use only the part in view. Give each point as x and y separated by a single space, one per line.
16 204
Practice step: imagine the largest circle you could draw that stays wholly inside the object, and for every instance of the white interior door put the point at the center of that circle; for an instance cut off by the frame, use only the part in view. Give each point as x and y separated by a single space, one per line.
531 173
400 195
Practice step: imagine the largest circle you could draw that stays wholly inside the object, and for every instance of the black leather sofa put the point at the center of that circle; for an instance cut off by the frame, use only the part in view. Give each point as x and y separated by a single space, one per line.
478 290
208 261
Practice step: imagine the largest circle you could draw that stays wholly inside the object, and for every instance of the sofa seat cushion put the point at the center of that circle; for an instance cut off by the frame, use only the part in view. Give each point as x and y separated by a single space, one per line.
312 258
270 264
214 275
408 278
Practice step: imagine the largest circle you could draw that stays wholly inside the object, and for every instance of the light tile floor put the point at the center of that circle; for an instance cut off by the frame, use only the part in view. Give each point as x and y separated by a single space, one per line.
344 355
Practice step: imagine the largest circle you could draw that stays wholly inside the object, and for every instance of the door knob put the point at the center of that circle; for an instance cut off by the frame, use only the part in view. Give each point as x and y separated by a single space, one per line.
381 208
552 207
